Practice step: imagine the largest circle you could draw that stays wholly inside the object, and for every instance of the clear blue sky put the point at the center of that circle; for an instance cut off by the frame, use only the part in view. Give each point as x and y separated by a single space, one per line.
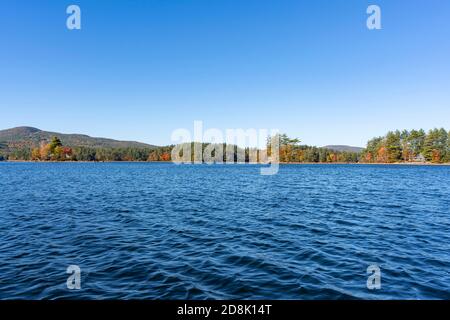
140 69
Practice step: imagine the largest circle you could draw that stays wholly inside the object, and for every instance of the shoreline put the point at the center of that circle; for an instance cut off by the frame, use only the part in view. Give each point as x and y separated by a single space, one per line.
281 163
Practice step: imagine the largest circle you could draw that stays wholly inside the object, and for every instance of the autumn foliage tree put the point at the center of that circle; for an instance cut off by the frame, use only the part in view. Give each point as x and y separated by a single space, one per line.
54 151
409 146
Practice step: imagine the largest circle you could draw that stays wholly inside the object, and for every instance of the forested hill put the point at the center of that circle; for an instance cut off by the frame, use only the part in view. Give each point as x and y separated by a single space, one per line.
21 137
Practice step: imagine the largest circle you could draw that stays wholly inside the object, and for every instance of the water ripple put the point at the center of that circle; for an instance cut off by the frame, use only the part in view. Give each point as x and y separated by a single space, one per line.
161 231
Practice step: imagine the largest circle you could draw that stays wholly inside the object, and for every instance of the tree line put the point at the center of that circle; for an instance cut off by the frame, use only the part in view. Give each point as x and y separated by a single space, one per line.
290 151
396 146
409 146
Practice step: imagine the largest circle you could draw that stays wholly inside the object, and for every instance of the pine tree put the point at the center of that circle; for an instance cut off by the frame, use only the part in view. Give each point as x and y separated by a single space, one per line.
393 146
55 143
435 145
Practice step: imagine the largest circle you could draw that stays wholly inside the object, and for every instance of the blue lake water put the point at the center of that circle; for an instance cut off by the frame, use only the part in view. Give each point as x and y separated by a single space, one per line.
162 231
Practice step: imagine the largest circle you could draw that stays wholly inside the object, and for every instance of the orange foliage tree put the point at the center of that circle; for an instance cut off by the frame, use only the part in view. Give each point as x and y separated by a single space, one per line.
165 156
436 156
382 155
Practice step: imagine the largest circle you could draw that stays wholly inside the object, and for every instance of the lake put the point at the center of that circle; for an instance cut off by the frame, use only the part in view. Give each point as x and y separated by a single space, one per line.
166 231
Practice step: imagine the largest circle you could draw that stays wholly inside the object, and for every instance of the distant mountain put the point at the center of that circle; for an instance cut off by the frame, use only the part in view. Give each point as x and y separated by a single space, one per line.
32 137
342 148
